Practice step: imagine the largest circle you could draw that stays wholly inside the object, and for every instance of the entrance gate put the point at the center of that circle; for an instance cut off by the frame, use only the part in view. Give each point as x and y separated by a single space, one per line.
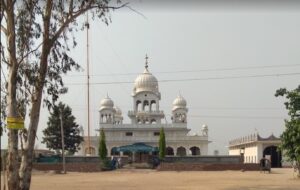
275 155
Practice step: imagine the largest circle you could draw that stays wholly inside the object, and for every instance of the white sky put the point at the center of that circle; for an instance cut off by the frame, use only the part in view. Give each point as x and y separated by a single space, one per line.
193 37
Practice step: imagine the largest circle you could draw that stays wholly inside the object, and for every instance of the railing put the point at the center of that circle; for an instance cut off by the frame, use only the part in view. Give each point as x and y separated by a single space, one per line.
151 112
243 140
143 126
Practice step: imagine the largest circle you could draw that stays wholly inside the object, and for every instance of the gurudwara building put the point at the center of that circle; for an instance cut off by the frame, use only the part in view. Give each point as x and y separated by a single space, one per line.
254 147
141 136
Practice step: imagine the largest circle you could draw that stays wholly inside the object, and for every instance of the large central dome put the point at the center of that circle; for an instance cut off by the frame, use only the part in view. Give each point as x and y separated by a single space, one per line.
145 82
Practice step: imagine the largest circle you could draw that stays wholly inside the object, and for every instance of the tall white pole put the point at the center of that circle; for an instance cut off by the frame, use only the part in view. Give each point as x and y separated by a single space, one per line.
88 81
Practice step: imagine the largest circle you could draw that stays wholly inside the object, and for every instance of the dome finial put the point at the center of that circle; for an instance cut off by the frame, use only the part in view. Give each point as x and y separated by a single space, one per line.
107 95
146 63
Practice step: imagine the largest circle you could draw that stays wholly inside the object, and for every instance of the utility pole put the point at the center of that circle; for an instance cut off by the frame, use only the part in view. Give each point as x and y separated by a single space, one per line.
88 81
62 141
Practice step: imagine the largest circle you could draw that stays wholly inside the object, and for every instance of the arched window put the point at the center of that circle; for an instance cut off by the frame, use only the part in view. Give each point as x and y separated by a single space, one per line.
109 119
138 105
104 118
181 151
153 105
153 121
195 150
169 151
101 118
146 106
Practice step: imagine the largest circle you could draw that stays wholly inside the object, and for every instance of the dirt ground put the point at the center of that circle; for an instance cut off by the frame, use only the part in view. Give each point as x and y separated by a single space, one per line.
279 179
154 180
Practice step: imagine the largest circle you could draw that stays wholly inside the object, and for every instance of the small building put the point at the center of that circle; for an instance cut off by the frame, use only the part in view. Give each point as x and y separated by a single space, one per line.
141 135
254 147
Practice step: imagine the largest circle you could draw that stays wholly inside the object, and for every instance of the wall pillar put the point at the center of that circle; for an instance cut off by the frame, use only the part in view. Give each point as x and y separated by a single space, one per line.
188 151
260 150
175 151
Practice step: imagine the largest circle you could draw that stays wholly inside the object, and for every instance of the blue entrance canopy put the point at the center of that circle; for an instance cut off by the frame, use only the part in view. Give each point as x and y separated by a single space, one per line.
136 147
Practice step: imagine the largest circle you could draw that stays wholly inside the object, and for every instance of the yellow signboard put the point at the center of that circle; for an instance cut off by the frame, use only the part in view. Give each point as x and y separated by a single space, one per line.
15 122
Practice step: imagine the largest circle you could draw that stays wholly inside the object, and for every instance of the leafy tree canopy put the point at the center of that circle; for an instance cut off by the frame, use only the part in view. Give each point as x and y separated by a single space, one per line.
52 134
38 36
290 138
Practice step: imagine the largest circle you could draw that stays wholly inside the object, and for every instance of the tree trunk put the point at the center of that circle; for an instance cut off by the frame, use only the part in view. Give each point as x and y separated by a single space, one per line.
12 177
27 157
13 156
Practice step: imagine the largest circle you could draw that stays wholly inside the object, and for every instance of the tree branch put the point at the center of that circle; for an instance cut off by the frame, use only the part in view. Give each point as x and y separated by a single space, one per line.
78 13
3 29
139 13
30 52
3 4
71 8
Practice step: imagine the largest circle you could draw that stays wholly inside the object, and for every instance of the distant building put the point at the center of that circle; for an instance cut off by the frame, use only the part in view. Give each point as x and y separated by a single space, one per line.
140 137
254 147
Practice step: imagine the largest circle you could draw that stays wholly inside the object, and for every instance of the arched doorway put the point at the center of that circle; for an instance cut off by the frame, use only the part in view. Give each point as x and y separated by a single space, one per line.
169 151
275 155
195 150
181 151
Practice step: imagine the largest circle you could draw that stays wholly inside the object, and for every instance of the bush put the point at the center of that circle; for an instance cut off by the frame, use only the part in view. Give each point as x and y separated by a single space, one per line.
106 165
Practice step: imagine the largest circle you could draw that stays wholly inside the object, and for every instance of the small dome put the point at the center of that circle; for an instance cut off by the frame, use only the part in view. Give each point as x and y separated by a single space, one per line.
118 111
145 82
179 102
204 127
204 130
106 103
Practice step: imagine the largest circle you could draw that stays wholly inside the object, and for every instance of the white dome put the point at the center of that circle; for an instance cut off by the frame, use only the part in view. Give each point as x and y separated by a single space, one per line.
106 103
179 102
204 127
145 82
118 110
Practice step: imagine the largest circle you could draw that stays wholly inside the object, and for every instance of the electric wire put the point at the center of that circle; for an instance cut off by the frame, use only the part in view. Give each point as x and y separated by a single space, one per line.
195 71
195 79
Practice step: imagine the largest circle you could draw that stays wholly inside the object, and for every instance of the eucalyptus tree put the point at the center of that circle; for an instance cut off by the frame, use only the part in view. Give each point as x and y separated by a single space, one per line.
39 35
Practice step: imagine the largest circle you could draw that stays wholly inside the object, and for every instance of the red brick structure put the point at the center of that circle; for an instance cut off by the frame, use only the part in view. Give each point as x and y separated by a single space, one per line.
206 167
70 167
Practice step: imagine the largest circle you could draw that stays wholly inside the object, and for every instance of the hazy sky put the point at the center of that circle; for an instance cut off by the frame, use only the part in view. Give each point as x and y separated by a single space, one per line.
210 42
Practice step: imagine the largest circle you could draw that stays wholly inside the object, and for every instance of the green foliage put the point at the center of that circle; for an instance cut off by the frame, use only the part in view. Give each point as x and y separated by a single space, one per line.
106 164
162 144
102 145
290 138
52 134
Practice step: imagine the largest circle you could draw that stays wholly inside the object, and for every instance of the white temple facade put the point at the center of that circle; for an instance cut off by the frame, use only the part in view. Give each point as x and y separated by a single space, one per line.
146 123
254 147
